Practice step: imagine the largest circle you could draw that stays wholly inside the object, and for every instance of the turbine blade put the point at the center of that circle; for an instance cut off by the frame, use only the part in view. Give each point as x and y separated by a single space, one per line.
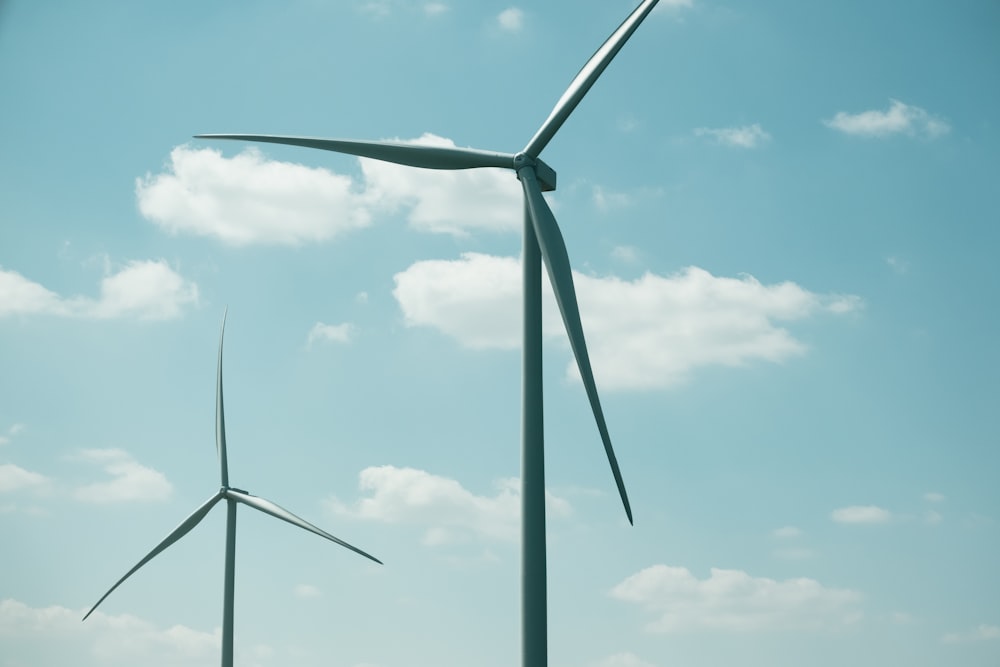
556 259
177 533
411 155
586 77
267 507
220 417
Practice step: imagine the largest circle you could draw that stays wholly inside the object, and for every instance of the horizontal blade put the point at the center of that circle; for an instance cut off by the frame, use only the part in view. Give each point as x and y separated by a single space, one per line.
411 155
586 78
267 507
178 532
556 259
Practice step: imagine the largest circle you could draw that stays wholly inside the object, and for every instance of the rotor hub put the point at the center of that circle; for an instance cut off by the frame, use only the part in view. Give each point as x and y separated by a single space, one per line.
545 174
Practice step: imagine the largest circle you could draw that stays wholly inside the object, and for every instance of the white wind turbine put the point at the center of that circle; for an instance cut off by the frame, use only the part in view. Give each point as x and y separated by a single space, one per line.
542 241
232 496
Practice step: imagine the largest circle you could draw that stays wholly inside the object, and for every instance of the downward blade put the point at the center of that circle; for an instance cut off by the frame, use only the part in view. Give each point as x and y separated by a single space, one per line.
427 157
556 259
220 417
267 507
180 531
586 78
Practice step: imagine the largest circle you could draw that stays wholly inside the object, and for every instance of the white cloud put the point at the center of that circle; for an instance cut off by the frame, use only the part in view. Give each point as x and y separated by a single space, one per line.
147 289
511 19
625 659
642 334
54 635
15 478
732 600
625 253
979 633
450 202
11 432
334 333
441 506
861 514
307 591
746 136
899 118
934 497
898 265
667 5
435 8
933 517
248 199
605 200
786 532
131 481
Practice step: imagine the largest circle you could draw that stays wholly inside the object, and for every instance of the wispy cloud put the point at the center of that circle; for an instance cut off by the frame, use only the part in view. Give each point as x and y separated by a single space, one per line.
899 118
332 333
12 431
55 632
745 136
511 19
15 478
979 633
861 514
786 532
626 659
647 333
734 601
149 290
443 508
307 591
934 497
131 481
435 8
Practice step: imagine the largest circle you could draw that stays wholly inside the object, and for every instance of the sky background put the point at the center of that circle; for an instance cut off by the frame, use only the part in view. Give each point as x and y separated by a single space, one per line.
784 225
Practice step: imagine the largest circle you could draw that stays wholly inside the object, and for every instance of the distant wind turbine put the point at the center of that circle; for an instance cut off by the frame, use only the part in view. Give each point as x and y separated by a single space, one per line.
232 496
542 241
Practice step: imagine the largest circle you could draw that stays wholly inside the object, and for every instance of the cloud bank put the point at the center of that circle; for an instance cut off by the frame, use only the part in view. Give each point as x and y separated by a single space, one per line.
734 601
443 508
147 290
647 333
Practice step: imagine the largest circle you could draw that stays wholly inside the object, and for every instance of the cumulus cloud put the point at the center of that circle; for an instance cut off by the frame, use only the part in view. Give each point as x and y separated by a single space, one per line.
899 118
861 514
511 19
54 635
131 481
732 600
647 333
333 333
15 478
248 199
746 136
979 633
149 290
441 506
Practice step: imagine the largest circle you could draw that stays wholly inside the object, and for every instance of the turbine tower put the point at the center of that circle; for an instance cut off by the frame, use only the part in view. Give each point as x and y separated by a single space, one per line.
542 242
232 496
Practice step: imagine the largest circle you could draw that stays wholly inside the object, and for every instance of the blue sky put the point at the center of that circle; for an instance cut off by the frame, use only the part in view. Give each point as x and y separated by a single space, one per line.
783 221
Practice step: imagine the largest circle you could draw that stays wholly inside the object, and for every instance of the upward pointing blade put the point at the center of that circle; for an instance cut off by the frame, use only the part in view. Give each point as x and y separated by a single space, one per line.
267 507
177 533
553 248
220 417
586 77
411 155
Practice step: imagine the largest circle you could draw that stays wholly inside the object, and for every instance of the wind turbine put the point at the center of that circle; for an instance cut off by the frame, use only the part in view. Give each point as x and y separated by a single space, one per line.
232 496
542 241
